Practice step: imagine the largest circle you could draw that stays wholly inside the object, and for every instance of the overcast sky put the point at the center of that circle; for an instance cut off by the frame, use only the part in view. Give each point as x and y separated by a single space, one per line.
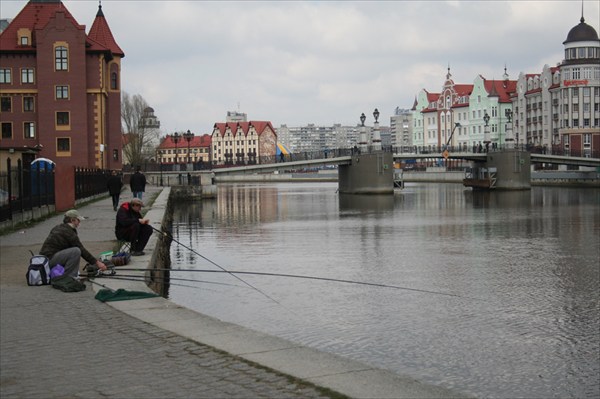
300 62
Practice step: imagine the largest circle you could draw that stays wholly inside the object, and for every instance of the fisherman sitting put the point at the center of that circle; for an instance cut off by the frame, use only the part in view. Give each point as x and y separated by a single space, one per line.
132 227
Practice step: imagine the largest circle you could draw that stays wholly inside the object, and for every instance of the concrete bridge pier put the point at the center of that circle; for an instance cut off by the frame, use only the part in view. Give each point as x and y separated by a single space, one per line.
371 173
513 169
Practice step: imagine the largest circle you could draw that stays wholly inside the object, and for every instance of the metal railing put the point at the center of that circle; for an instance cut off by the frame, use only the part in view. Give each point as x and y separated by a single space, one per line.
24 188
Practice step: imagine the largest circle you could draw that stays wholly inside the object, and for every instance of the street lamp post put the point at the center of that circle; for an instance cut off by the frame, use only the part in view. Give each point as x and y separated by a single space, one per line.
176 137
376 135
363 134
188 136
486 131
509 137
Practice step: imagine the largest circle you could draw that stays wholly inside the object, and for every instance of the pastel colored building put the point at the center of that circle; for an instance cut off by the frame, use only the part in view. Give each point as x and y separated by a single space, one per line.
242 142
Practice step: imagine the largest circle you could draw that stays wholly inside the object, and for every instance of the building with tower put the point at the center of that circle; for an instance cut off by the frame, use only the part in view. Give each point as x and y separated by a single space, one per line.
60 89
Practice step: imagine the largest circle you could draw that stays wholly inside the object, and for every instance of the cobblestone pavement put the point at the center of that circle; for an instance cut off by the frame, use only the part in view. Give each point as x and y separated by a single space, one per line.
70 345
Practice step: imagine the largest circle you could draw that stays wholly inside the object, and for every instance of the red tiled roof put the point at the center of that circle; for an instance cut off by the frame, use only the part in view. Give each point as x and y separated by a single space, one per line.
259 126
101 34
196 142
36 15
503 88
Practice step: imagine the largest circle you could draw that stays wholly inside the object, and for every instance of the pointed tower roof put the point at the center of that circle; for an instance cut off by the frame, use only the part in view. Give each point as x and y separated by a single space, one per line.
101 34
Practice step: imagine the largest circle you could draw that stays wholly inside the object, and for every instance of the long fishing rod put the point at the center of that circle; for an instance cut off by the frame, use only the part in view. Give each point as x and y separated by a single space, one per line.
306 277
169 236
134 277
138 279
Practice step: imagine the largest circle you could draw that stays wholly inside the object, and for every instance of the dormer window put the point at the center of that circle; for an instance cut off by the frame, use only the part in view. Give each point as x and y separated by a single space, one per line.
24 37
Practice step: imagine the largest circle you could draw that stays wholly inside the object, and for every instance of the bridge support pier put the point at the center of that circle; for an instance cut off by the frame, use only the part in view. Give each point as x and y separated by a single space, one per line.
367 174
513 169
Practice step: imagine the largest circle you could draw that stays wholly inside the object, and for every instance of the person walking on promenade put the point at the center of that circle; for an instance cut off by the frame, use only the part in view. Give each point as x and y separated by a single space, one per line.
62 246
138 183
132 227
114 185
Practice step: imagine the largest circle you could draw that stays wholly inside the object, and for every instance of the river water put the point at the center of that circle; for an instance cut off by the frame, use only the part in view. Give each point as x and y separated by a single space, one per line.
497 294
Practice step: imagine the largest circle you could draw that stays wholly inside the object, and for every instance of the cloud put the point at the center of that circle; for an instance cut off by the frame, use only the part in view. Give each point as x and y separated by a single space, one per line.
319 62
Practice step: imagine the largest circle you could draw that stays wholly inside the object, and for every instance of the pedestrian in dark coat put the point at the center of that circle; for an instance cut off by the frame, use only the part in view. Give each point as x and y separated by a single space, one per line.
132 227
138 183
114 185
62 246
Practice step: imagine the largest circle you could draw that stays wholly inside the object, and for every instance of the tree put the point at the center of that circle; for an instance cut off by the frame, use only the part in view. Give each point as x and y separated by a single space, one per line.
141 129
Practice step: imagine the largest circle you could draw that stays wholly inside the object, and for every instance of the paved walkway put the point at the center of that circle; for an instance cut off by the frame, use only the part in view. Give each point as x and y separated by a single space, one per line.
69 345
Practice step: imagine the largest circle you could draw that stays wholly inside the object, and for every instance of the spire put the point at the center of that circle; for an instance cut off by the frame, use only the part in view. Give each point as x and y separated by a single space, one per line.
582 20
505 76
448 75
100 13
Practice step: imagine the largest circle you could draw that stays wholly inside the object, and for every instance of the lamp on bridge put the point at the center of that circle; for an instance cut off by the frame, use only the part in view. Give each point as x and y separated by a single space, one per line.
486 131
176 137
509 137
188 136
376 135
363 134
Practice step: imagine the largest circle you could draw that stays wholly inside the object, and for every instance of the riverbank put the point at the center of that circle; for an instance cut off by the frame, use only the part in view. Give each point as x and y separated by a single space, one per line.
153 347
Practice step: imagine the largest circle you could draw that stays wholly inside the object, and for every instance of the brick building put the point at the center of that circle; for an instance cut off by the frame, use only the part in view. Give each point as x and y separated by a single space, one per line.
60 89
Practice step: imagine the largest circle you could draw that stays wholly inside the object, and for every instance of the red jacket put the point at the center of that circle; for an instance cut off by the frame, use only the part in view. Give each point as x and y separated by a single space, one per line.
126 217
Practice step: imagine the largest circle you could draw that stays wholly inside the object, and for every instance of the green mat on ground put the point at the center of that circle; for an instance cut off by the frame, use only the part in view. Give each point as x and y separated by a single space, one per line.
106 295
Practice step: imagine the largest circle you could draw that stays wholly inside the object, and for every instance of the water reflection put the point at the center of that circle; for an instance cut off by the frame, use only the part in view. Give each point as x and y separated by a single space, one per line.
522 269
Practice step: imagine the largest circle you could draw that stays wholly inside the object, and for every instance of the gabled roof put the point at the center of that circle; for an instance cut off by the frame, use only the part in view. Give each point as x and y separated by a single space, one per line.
259 126
196 142
35 16
500 88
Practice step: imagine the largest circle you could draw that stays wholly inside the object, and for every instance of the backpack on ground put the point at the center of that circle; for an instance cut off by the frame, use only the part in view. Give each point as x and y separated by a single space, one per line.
38 272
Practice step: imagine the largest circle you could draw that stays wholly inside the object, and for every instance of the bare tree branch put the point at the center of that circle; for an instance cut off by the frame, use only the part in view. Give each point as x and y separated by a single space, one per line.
141 140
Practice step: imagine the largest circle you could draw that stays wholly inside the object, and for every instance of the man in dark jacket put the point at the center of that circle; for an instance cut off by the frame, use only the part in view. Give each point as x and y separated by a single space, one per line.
132 227
63 246
137 183
114 185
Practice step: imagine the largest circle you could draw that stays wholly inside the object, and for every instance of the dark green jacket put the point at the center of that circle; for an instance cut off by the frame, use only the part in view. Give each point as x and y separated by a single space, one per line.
62 237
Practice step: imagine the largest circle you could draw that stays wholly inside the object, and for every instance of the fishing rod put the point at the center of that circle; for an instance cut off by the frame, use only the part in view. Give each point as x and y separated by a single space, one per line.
134 277
169 236
381 285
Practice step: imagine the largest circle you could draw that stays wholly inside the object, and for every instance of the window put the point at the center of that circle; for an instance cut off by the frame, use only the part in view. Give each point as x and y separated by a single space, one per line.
62 118
115 155
63 144
587 139
114 81
62 92
7 130
6 104
27 75
61 60
5 75
24 41
576 73
28 104
29 130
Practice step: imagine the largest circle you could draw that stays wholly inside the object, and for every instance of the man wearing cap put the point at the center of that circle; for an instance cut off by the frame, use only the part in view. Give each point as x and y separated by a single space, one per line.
132 227
62 246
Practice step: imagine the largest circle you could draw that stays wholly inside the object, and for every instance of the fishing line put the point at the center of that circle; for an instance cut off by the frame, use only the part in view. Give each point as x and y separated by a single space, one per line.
169 236
381 285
